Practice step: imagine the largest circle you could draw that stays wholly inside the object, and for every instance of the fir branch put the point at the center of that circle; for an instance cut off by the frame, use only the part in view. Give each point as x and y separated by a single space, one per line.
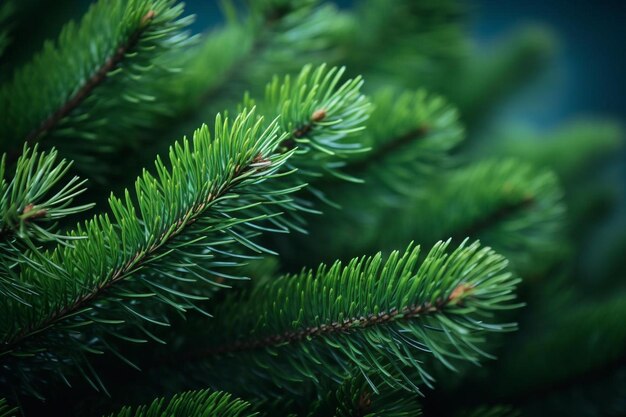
410 136
507 204
105 65
119 271
192 404
355 397
92 82
28 201
31 203
272 37
399 164
370 316
345 327
320 113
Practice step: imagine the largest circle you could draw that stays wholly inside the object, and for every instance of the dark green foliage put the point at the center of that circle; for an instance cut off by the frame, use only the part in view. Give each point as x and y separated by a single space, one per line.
32 203
509 205
588 337
99 70
392 334
192 404
356 398
322 327
490 411
409 137
118 269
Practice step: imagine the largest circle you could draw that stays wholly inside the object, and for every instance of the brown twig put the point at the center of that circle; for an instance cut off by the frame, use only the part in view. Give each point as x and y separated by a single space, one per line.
346 326
94 81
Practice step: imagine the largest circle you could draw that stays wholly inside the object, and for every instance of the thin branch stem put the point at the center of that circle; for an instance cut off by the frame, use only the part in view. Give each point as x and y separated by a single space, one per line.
141 257
346 326
94 81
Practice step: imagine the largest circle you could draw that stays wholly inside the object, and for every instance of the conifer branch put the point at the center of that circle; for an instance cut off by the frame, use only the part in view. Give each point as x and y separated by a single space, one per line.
192 404
341 315
110 64
146 253
408 138
31 203
345 327
355 397
106 65
491 220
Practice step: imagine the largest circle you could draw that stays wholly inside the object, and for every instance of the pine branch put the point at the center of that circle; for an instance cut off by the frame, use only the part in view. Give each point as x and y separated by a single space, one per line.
356 398
511 206
192 404
31 203
410 136
271 38
99 68
161 250
370 316
320 113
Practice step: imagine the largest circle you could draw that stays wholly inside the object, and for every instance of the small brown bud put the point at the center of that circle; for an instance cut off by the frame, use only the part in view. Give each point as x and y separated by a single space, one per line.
27 212
147 17
318 115
460 291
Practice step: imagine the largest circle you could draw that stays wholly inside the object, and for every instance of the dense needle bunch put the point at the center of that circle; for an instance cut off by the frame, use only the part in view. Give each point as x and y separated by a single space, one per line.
263 263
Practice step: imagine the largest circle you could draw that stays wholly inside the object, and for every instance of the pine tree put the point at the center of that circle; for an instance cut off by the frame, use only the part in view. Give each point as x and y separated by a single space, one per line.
316 226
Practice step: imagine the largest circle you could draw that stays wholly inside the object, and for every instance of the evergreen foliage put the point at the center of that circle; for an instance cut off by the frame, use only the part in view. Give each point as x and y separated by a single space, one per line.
268 256
99 70
192 404
440 306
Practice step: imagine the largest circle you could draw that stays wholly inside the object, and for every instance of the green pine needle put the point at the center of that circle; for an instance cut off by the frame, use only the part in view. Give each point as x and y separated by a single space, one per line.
166 246
370 316
192 404
94 85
